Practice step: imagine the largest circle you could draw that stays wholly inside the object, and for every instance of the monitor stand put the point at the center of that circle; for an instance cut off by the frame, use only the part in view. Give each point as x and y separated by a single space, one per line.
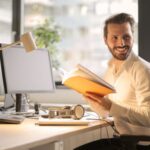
22 102
8 101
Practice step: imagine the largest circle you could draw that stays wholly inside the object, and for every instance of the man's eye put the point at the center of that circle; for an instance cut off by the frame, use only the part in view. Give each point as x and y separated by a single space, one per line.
114 37
126 37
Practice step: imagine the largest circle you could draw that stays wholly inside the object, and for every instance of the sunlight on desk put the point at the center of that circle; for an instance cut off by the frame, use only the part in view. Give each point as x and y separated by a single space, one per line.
28 135
60 121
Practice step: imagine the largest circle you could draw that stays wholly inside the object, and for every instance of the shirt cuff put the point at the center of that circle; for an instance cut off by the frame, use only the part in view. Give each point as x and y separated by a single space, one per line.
116 110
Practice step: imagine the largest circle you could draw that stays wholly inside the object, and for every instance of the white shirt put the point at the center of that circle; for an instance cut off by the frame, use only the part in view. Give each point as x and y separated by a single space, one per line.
131 102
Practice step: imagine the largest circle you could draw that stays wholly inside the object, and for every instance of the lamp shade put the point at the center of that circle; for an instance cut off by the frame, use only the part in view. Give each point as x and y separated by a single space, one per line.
28 41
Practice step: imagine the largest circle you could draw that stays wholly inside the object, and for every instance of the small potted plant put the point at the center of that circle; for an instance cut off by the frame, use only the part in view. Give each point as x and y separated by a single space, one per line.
46 36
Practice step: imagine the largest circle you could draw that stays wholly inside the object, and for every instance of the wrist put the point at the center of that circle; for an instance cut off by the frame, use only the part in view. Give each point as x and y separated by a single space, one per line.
108 103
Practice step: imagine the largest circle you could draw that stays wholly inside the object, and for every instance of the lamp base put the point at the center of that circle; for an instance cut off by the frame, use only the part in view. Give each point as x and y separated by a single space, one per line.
8 101
22 103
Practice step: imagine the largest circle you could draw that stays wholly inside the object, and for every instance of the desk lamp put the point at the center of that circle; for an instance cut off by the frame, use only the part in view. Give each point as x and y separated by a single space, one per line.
29 44
26 39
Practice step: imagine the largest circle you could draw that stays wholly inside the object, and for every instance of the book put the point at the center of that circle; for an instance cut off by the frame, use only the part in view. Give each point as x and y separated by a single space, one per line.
83 80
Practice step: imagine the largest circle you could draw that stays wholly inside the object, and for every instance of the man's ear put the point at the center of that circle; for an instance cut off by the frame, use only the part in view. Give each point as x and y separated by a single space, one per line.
105 40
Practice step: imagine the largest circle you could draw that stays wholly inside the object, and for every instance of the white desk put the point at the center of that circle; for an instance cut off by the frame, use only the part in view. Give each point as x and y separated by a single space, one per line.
28 136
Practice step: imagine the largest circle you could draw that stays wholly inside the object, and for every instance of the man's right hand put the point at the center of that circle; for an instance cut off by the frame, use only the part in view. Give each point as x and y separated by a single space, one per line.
98 102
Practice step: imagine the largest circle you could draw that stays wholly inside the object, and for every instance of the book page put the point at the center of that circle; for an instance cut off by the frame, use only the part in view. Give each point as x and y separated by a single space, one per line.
83 85
84 72
95 77
76 72
81 71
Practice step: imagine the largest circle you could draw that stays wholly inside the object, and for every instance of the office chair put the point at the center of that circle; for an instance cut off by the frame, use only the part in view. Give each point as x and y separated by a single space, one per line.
133 135
131 142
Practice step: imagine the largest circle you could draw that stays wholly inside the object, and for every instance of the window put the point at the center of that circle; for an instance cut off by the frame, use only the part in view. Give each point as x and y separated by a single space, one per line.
81 24
6 35
81 27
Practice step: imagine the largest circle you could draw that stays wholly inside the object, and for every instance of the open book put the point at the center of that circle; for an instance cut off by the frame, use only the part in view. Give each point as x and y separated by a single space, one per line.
83 80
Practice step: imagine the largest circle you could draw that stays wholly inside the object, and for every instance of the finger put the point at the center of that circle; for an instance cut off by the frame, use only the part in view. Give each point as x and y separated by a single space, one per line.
96 94
91 100
94 97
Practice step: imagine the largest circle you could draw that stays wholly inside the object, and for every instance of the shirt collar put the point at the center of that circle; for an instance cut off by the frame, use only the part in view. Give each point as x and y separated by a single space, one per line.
127 63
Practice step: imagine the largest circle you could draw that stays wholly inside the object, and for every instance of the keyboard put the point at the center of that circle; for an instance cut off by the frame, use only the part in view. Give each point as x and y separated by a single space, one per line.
11 119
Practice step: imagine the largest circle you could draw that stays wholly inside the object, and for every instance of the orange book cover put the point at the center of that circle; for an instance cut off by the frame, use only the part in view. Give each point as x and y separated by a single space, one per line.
82 80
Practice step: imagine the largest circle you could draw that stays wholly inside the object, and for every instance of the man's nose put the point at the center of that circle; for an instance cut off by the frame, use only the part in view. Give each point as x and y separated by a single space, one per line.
121 42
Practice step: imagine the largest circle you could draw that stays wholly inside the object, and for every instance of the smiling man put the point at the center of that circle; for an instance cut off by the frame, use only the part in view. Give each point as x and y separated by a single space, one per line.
119 40
130 76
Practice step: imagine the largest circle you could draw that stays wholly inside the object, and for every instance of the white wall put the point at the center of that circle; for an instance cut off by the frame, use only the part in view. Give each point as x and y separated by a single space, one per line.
64 96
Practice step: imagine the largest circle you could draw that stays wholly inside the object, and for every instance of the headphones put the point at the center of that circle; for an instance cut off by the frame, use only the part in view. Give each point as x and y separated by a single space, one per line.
75 112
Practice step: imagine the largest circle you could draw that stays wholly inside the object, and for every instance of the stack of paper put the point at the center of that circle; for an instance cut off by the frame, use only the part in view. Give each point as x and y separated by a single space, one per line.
62 121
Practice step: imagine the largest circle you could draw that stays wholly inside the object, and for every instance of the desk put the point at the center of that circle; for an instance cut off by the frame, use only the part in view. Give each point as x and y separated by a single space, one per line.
29 136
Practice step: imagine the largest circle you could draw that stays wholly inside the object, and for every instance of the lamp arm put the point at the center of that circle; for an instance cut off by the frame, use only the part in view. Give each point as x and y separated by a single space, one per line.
9 45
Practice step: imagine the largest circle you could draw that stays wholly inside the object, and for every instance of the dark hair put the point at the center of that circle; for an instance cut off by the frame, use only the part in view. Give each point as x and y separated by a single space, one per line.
119 19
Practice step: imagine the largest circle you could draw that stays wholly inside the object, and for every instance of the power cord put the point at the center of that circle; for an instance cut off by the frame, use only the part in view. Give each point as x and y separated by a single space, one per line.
94 116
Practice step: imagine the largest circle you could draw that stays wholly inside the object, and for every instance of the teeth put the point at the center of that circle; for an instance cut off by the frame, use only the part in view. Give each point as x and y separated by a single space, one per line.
121 49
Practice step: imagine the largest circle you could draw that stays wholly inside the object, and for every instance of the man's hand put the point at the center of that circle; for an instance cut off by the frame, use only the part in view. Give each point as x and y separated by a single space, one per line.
97 101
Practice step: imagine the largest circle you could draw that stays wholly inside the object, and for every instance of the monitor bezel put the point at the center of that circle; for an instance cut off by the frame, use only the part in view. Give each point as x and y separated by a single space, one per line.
26 91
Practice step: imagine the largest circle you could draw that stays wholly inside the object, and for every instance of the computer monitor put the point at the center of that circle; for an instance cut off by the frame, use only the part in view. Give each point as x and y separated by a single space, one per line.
26 72
10 101
2 92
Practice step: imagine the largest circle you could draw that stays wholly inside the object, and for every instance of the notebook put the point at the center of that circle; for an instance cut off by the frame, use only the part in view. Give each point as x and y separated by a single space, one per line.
62 121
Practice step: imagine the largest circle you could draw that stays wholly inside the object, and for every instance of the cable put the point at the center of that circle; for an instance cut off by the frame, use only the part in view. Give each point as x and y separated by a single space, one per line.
112 125
100 133
107 132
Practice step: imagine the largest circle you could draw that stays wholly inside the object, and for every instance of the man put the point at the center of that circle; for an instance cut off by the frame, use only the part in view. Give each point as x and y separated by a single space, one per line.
130 104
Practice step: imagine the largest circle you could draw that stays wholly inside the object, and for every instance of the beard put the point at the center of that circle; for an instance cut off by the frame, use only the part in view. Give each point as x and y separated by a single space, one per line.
120 53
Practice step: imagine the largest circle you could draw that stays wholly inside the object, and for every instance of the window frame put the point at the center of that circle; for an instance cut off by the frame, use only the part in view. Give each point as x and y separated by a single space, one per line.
143 42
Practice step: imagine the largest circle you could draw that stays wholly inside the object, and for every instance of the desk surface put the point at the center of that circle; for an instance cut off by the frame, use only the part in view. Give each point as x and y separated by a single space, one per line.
28 134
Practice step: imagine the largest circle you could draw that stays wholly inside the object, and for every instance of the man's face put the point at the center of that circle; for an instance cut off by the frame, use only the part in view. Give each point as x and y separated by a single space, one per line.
119 40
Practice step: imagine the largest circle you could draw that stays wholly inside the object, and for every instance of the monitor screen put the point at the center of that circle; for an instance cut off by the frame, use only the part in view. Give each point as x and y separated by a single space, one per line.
25 73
